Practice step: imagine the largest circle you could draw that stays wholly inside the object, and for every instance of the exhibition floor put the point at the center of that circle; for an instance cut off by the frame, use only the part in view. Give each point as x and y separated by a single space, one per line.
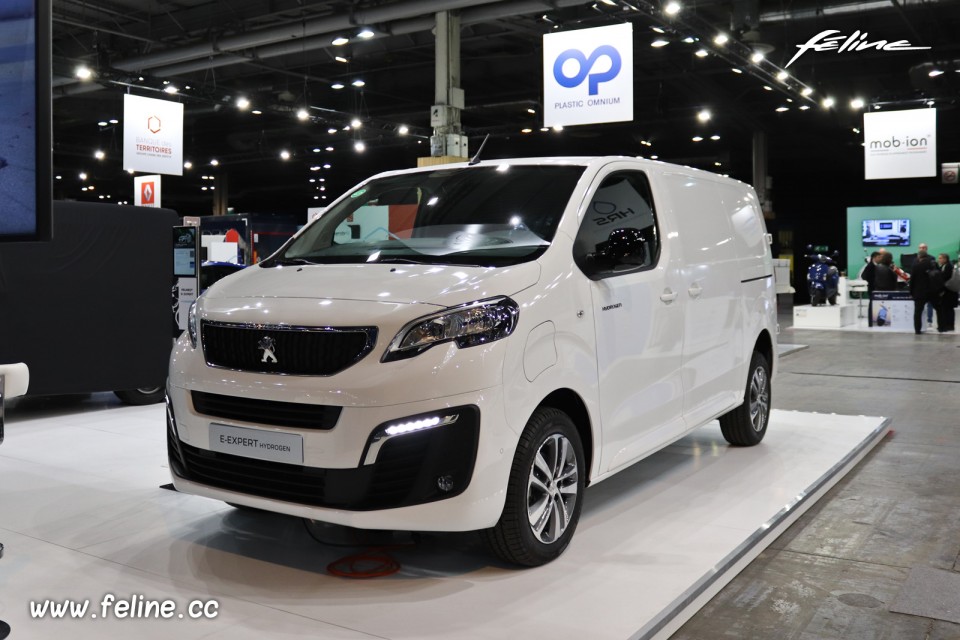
82 517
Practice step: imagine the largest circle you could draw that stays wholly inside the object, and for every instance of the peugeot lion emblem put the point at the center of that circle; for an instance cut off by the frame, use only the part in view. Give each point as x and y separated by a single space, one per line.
267 344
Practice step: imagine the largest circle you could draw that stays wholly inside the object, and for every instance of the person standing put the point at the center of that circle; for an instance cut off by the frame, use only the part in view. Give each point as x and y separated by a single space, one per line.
869 275
946 315
920 286
923 248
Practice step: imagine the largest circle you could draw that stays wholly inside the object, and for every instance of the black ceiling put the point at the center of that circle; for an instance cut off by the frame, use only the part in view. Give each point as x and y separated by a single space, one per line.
278 54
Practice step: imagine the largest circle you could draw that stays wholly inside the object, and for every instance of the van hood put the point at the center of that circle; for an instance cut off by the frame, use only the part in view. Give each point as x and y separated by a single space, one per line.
441 285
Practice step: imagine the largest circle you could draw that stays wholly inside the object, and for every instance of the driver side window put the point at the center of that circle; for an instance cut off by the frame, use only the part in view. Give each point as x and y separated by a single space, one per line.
623 204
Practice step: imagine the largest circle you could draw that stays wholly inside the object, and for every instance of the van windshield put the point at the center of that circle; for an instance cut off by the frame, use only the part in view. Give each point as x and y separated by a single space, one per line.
484 216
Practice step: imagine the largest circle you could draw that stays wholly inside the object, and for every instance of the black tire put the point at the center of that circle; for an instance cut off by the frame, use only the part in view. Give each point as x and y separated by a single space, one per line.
746 425
832 299
513 538
138 397
816 298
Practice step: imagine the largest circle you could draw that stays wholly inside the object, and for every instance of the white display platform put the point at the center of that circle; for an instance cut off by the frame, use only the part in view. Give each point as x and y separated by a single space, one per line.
81 517
824 316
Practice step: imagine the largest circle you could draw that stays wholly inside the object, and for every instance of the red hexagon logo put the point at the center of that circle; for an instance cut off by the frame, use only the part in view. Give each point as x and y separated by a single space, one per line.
153 124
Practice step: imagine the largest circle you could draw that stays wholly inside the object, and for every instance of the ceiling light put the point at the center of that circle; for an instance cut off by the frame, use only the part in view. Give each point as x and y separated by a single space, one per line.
403 130
806 92
526 130
130 171
316 149
332 130
654 157
689 39
757 57
140 78
856 103
284 155
544 129
659 42
658 29
855 130
827 102
312 180
701 53
340 59
359 146
257 112
99 155
935 72
714 137
166 82
358 83
366 33
302 114
171 89
717 164
329 148
114 121
187 87
315 168
355 123
804 107
83 188
83 175
339 41
326 166
704 115
721 39
242 103
782 109
59 177
214 163
767 87
930 103
337 86
672 8
90 187
102 123
611 3
204 188
735 70
532 111
83 72
188 165
696 138
782 76
558 128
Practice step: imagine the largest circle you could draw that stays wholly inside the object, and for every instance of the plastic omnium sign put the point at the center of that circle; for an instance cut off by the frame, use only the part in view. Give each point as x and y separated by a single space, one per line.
588 76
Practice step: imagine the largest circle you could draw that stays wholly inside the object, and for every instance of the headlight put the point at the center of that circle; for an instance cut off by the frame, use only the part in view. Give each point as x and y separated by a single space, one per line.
469 325
192 324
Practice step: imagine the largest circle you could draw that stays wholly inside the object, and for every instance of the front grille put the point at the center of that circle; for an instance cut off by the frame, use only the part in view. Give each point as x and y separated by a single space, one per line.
405 472
272 412
303 351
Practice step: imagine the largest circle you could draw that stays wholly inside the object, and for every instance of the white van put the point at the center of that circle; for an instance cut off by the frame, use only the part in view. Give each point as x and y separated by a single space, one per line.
468 347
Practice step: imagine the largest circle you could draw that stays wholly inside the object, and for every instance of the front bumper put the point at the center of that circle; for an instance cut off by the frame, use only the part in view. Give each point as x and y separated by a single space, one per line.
449 478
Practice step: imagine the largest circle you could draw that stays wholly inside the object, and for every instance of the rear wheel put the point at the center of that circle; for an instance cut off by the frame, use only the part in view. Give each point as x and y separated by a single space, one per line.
747 424
816 298
545 492
144 395
832 299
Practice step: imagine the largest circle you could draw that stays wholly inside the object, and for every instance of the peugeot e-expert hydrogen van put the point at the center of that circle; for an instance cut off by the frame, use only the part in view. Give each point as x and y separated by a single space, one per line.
468 347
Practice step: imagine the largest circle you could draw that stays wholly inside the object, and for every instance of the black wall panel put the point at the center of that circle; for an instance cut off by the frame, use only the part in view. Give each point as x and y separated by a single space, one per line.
91 309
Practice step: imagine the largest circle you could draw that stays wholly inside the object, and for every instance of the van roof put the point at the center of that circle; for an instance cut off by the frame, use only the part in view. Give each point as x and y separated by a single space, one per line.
564 160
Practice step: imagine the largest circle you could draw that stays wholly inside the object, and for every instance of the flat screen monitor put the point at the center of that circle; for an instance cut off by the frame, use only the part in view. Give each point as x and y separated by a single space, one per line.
25 122
886 233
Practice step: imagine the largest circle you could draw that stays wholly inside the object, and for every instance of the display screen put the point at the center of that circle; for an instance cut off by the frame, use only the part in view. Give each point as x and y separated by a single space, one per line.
886 233
25 123
185 252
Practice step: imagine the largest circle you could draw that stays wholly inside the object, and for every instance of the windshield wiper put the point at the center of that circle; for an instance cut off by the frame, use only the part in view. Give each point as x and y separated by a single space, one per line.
287 262
398 260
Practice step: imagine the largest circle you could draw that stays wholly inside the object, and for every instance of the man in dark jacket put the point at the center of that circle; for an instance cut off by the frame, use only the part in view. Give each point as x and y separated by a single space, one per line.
869 274
948 299
920 286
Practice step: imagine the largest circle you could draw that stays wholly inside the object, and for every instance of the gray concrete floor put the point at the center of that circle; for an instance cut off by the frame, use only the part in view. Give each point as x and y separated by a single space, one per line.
834 573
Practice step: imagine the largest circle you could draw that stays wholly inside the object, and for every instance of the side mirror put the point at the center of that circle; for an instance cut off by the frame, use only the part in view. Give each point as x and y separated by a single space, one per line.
623 245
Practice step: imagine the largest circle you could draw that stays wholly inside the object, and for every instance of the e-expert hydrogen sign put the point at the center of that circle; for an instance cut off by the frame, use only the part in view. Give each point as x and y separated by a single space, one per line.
588 76
900 144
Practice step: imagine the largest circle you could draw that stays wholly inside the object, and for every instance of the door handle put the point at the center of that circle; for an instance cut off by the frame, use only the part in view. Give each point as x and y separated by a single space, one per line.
668 296
695 291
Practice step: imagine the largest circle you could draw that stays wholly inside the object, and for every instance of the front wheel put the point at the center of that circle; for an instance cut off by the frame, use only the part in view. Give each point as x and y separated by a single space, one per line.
142 396
746 425
544 494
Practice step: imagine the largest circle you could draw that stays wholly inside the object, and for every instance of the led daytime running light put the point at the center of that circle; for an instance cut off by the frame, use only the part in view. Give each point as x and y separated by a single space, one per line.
418 425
